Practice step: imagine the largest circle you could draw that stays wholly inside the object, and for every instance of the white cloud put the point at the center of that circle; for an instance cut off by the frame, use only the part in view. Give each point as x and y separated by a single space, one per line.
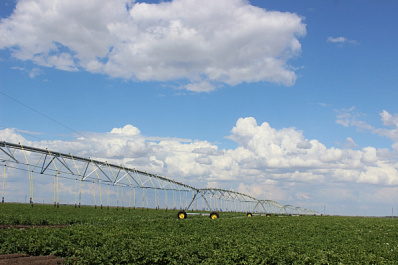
209 151
126 130
392 132
32 72
269 189
203 86
342 40
303 196
349 118
11 135
203 160
304 145
325 105
350 143
388 119
338 39
280 165
203 42
35 72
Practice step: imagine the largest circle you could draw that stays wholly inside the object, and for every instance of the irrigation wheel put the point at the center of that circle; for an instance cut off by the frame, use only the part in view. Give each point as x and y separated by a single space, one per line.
182 215
249 214
214 215
268 215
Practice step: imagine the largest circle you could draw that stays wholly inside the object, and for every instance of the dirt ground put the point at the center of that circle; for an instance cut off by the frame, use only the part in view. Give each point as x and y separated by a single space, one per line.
23 259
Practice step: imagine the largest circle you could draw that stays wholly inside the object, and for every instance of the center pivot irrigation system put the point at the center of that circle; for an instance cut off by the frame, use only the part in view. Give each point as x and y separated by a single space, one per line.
115 185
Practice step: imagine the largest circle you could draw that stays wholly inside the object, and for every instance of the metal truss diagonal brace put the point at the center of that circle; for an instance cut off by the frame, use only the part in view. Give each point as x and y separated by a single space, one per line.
9 154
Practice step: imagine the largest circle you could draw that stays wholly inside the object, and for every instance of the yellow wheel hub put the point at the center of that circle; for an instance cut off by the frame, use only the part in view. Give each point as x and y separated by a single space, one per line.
213 216
181 216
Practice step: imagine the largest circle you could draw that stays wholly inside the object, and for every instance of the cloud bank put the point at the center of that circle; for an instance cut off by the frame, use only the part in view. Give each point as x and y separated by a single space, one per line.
201 43
281 165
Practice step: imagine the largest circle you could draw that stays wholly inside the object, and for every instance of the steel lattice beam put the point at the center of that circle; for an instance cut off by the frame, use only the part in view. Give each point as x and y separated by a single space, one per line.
62 165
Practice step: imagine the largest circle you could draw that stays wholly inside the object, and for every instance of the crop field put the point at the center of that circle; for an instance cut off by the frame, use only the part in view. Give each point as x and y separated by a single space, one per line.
91 235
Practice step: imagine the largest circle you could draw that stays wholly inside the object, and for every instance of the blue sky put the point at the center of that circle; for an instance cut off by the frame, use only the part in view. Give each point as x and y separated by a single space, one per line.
325 71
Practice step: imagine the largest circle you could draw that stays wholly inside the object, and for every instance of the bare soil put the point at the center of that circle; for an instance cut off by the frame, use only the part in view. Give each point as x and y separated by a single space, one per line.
22 258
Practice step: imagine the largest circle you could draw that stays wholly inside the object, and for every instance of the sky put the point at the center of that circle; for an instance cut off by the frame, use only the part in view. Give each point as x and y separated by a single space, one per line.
292 101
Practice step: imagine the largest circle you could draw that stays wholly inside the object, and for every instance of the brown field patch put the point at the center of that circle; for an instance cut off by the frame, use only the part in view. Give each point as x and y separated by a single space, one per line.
22 258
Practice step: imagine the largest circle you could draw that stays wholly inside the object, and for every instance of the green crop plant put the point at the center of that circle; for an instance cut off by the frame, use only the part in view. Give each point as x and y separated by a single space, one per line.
141 236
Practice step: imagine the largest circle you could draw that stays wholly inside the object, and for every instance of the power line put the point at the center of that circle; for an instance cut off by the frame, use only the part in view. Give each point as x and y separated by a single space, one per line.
42 114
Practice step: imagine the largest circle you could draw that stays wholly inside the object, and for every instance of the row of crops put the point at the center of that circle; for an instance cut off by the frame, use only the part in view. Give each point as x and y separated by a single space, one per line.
125 236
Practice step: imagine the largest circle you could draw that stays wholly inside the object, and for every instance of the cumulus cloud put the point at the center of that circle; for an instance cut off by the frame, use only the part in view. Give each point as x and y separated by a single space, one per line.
304 145
126 130
208 151
267 189
203 42
268 163
203 160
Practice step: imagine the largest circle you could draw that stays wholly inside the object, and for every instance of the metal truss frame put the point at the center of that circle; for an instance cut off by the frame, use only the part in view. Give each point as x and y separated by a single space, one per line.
83 169
270 207
86 169
224 200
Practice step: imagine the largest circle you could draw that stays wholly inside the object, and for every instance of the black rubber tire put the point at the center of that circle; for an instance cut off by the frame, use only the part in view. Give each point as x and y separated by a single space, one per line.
214 215
268 215
182 215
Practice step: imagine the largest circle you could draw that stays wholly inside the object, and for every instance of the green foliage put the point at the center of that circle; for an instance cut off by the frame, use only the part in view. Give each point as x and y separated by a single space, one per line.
102 236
